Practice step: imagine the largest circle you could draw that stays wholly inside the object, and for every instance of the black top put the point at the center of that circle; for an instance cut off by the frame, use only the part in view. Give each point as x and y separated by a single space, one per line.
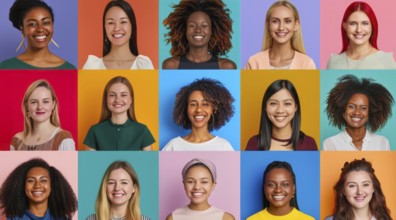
213 63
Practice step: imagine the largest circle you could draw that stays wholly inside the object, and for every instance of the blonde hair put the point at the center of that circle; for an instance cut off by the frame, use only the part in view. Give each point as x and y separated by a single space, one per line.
102 203
106 114
296 40
28 122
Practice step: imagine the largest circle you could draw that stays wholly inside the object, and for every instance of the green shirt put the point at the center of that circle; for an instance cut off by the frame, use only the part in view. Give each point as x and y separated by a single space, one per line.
15 63
131 135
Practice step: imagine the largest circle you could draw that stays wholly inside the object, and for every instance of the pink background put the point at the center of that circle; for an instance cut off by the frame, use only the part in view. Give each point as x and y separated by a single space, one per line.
10 160
330 26
13 85
225 196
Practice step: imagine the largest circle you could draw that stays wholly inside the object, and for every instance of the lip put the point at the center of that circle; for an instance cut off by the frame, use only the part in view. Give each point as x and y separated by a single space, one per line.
118 105
40 38
199 117
278 197
359 198
280 118
118 36
197 194
281 34
118 195
40 113
37 193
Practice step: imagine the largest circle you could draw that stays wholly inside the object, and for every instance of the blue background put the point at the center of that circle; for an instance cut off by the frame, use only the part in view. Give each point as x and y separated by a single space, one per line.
170 83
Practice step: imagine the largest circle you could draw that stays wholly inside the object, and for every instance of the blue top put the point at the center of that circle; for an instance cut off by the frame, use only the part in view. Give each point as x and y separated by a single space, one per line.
30 216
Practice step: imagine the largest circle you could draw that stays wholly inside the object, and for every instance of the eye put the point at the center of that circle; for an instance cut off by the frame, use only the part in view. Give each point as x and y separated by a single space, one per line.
288 104
270 185
30 181
44 180
190 182
192 104
124 182
110 183
351 186
366 23
284 185
32 24
273 103
110 23
288 21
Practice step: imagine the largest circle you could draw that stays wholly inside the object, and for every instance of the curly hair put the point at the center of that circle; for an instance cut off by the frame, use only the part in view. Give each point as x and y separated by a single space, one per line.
219 43
282 165
377 205
20 7
213 91
380 101
62 201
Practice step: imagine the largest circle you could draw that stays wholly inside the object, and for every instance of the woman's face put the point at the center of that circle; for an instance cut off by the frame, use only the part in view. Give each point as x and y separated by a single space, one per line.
282 24
358 189
357 111
120 187
279 188
38 185
37 28
358 28
119 98
199 29
118 26
281 108
199 110
40 105
198 184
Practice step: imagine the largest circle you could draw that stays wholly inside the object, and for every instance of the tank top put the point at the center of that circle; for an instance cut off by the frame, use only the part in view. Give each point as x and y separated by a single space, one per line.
52 144
213 63
186 213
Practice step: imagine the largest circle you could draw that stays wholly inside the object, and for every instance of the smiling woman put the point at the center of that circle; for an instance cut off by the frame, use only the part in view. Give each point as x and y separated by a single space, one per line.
202 106
34 18
199 179
36 190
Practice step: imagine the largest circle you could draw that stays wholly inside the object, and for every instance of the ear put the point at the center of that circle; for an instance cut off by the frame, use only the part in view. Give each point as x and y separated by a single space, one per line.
297 26
213 186
134 188
344 25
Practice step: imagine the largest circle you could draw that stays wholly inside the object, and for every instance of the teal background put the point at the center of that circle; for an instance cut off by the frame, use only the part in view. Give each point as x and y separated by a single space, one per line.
328 79
233 5
92 166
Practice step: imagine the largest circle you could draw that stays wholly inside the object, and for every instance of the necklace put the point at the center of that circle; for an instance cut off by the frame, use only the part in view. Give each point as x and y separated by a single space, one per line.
281 140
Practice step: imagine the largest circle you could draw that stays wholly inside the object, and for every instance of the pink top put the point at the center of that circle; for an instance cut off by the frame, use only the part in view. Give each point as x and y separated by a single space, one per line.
261 61
186 213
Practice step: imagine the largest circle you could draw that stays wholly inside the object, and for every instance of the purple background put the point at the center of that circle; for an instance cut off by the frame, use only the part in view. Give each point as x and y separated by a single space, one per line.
225 196
252 27
65 31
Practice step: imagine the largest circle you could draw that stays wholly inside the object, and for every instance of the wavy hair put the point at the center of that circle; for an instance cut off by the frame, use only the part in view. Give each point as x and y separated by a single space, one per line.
20 7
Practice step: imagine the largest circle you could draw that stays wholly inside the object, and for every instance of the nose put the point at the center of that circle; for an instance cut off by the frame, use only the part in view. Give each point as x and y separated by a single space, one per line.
358 28
281 25
117 186
39 105
278 188
279 108
196 185
37 184
358 190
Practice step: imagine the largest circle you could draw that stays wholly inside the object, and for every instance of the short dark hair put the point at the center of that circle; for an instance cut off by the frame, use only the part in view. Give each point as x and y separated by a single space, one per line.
276 165
213 91
20 7
62 202
380 101
126 7
219 43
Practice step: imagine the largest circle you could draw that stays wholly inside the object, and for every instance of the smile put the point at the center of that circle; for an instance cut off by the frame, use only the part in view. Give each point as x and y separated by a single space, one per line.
37 193
281 34
197 194
356 119
117 36
359 198
359 36
280 118
278 197
118 195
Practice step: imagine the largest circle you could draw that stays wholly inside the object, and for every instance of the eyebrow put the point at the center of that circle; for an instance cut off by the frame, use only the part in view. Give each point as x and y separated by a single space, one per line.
41 19
281 100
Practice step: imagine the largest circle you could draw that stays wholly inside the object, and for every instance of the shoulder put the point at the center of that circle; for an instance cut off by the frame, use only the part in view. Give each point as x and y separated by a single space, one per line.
11 63
304 61
300 215
64 134
93 62
379 140
169 217
225 144
337 61
259 60
386 58
252 143
228 216
258 215
142 62
91 217
307 143
331 142
329 218
171 63
172 143
225 63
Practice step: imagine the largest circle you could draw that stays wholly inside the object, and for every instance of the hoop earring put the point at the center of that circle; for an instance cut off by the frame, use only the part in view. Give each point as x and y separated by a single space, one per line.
21 44
52 40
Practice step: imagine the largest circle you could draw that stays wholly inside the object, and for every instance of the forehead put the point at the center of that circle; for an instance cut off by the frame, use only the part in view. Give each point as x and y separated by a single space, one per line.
40 91
119 174
357 176
359 97
37 11
199 15
198 170
282 94
116 12
281 11
119 87
37 171
358 15
197 94
279 173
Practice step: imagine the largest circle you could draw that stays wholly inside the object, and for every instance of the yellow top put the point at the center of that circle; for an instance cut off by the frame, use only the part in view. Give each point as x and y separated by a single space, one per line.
294 214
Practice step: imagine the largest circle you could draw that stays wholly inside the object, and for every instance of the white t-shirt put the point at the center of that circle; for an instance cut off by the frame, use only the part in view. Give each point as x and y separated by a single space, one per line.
343 141
215 144
96 63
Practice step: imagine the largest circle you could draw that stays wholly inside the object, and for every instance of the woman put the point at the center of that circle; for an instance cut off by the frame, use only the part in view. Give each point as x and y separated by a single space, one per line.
35 20
280 121
42 129
283 46
361 107
118 128
359 29
200 32
202 106
36 190
199 176
359 194
119 178
279 180
120 50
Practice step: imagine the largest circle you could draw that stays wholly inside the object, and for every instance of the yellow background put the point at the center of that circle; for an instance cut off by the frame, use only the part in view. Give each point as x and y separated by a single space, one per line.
331 163
253 86
91 84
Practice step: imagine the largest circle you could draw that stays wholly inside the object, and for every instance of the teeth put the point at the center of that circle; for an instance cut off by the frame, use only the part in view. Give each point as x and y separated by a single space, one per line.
37 193
118 194
281 34
40 37
199 117
278 197
355 119
280 118
118 35
359 36
197 194
198 37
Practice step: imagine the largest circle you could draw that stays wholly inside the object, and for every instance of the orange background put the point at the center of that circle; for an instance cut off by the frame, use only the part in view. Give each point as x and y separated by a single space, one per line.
253 86
90 40
91 84
331 163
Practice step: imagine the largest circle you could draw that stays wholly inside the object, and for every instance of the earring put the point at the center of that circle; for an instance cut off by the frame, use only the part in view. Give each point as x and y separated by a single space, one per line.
21 44
52 40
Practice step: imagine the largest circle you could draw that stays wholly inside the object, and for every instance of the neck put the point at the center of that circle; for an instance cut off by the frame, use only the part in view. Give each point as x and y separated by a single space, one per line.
356 133
282 50
282 133
37 54
362 213
120 53
279 211
198 55
360 51
119 118
42 128
199 206
199 135
118 211
38 209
